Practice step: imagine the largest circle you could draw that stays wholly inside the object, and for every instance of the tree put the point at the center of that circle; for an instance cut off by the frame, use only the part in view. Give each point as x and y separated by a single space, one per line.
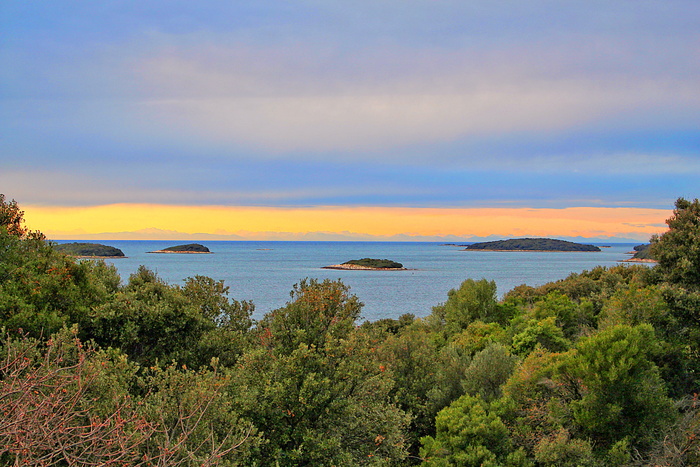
313 387
678 270
153 321
66 403
47 416
428 377
12 218
544 333
477 336
559 450
470 434
678 249
488 370
621 392
42 290
472 301
227 336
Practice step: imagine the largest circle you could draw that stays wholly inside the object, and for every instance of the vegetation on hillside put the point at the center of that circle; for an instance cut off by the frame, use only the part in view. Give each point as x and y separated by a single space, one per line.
598 369
532 244
88 249
375 263
642 252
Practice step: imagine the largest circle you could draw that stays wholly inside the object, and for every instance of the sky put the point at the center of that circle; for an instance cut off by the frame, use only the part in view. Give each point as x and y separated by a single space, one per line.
370 119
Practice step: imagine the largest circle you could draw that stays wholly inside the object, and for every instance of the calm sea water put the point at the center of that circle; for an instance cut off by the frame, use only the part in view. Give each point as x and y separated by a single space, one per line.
264 272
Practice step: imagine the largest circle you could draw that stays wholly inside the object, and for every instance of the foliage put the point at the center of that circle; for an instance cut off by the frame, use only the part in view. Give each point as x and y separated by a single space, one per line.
88 249
559 450
678 274
472 301
596 285
427 377
680 443
622 394
313 388
477 336
66 403
47 416
12 218
532 244
469 433
678 250
487 372
544 333
636 305
154 322
42 290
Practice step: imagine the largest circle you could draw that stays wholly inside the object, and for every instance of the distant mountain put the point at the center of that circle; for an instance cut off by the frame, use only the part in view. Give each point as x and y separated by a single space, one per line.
531 244
343 236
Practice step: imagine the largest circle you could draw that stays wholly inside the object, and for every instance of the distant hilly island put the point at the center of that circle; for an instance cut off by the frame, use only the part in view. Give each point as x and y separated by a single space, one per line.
98 250
89 250
530 244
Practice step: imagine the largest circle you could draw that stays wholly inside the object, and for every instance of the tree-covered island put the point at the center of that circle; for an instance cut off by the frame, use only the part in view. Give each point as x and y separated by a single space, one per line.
368 264
89 250
531 244
189 248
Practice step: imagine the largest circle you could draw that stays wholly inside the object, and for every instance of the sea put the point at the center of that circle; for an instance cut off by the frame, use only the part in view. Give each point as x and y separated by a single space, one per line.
265 271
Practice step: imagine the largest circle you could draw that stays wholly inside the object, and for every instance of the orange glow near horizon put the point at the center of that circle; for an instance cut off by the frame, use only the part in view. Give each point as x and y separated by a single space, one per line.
259 222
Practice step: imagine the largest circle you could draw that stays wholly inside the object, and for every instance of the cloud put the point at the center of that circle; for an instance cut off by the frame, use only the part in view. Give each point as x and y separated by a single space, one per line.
309 100
314 103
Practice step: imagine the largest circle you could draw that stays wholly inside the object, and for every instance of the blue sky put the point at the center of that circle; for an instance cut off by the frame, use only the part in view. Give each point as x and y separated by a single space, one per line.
422 103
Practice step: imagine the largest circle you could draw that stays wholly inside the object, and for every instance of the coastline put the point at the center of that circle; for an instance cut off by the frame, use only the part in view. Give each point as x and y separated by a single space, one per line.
97 257
638 260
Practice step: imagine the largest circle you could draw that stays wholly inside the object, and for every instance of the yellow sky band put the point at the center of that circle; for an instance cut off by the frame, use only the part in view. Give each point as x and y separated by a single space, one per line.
73 222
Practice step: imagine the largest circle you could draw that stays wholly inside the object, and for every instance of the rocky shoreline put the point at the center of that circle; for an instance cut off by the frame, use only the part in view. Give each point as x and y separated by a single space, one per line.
182 252
638 260
97 257
530 251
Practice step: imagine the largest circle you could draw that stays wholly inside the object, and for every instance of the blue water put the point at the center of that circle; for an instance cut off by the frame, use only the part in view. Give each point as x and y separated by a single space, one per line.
264 272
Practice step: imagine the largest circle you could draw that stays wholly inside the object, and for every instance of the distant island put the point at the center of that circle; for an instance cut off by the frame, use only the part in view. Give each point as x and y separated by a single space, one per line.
89 250
369 264
530 244
642 254
190 248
